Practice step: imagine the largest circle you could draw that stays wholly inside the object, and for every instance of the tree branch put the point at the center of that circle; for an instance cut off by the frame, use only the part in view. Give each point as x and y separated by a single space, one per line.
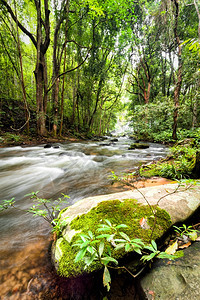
68 71
9 9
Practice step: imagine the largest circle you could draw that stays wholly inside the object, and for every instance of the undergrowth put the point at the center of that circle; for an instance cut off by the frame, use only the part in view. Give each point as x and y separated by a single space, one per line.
179 164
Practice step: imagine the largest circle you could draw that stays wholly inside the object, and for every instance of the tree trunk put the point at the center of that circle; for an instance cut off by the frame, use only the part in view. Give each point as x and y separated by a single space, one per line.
56 94
27 113
41 113
179 76
195 114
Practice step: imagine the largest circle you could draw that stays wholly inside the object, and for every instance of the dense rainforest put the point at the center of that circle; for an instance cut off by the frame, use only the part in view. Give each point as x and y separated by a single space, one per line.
69 66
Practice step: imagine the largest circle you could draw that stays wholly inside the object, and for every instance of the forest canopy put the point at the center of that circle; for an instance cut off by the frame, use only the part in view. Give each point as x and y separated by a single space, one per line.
67 66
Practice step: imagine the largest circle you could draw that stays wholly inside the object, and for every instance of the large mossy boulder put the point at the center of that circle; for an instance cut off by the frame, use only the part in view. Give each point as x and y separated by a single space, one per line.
127 211
169 203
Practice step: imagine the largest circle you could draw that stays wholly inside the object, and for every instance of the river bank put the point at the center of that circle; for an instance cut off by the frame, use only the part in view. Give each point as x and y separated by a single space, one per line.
11 140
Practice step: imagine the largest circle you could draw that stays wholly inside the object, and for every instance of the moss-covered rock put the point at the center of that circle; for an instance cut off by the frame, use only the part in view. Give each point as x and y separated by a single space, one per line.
138 146
126 211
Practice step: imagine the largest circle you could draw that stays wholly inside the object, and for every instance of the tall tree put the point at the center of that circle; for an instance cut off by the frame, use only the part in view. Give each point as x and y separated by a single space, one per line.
41 43
179 75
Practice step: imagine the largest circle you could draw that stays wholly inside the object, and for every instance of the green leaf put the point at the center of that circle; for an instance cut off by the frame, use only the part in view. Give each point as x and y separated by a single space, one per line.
153 243
108 222
138 250
121 226
85 244
94 242
91 249
80 254
138 241
125 236
32 194
185 42
110 238
106 278
88 260
101 248
164 255
149 257
109 250
105 235
120 240
108 259
104 228
150 248
90 234
127 247
120 246
84 237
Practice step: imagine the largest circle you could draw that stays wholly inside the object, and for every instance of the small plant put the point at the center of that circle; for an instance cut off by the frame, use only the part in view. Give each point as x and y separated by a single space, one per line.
11 137
168 171
186 231
43 208
154 252
7 204
101 248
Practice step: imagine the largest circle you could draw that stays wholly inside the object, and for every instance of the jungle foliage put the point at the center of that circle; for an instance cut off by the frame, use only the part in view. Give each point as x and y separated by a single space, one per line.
67 66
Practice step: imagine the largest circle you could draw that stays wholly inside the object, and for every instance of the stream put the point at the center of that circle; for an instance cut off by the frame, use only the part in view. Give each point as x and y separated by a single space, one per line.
79 170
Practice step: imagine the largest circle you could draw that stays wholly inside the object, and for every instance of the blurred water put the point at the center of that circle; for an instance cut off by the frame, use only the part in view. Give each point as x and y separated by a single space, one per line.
78 169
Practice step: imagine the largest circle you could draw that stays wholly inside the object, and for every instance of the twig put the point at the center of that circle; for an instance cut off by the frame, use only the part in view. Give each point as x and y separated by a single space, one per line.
127 270
137 189
175 191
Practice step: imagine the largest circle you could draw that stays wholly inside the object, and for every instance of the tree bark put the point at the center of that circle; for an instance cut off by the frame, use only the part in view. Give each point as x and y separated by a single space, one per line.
179 76
41 43
27 113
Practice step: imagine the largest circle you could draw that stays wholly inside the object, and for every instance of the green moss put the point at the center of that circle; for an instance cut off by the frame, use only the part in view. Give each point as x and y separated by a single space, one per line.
67 265
150 170
127 212
179 164
138 146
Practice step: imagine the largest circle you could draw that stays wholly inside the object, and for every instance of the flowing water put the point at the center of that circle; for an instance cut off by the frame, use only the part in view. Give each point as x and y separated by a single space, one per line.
79 170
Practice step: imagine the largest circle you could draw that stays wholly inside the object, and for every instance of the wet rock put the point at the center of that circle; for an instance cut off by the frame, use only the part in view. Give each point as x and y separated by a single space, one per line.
132 137
99 158
99 138
106 144
51 146
47 146
138 146
179 279
72 154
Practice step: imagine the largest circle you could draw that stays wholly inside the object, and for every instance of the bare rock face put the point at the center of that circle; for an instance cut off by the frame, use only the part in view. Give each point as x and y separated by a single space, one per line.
179 279
179 202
